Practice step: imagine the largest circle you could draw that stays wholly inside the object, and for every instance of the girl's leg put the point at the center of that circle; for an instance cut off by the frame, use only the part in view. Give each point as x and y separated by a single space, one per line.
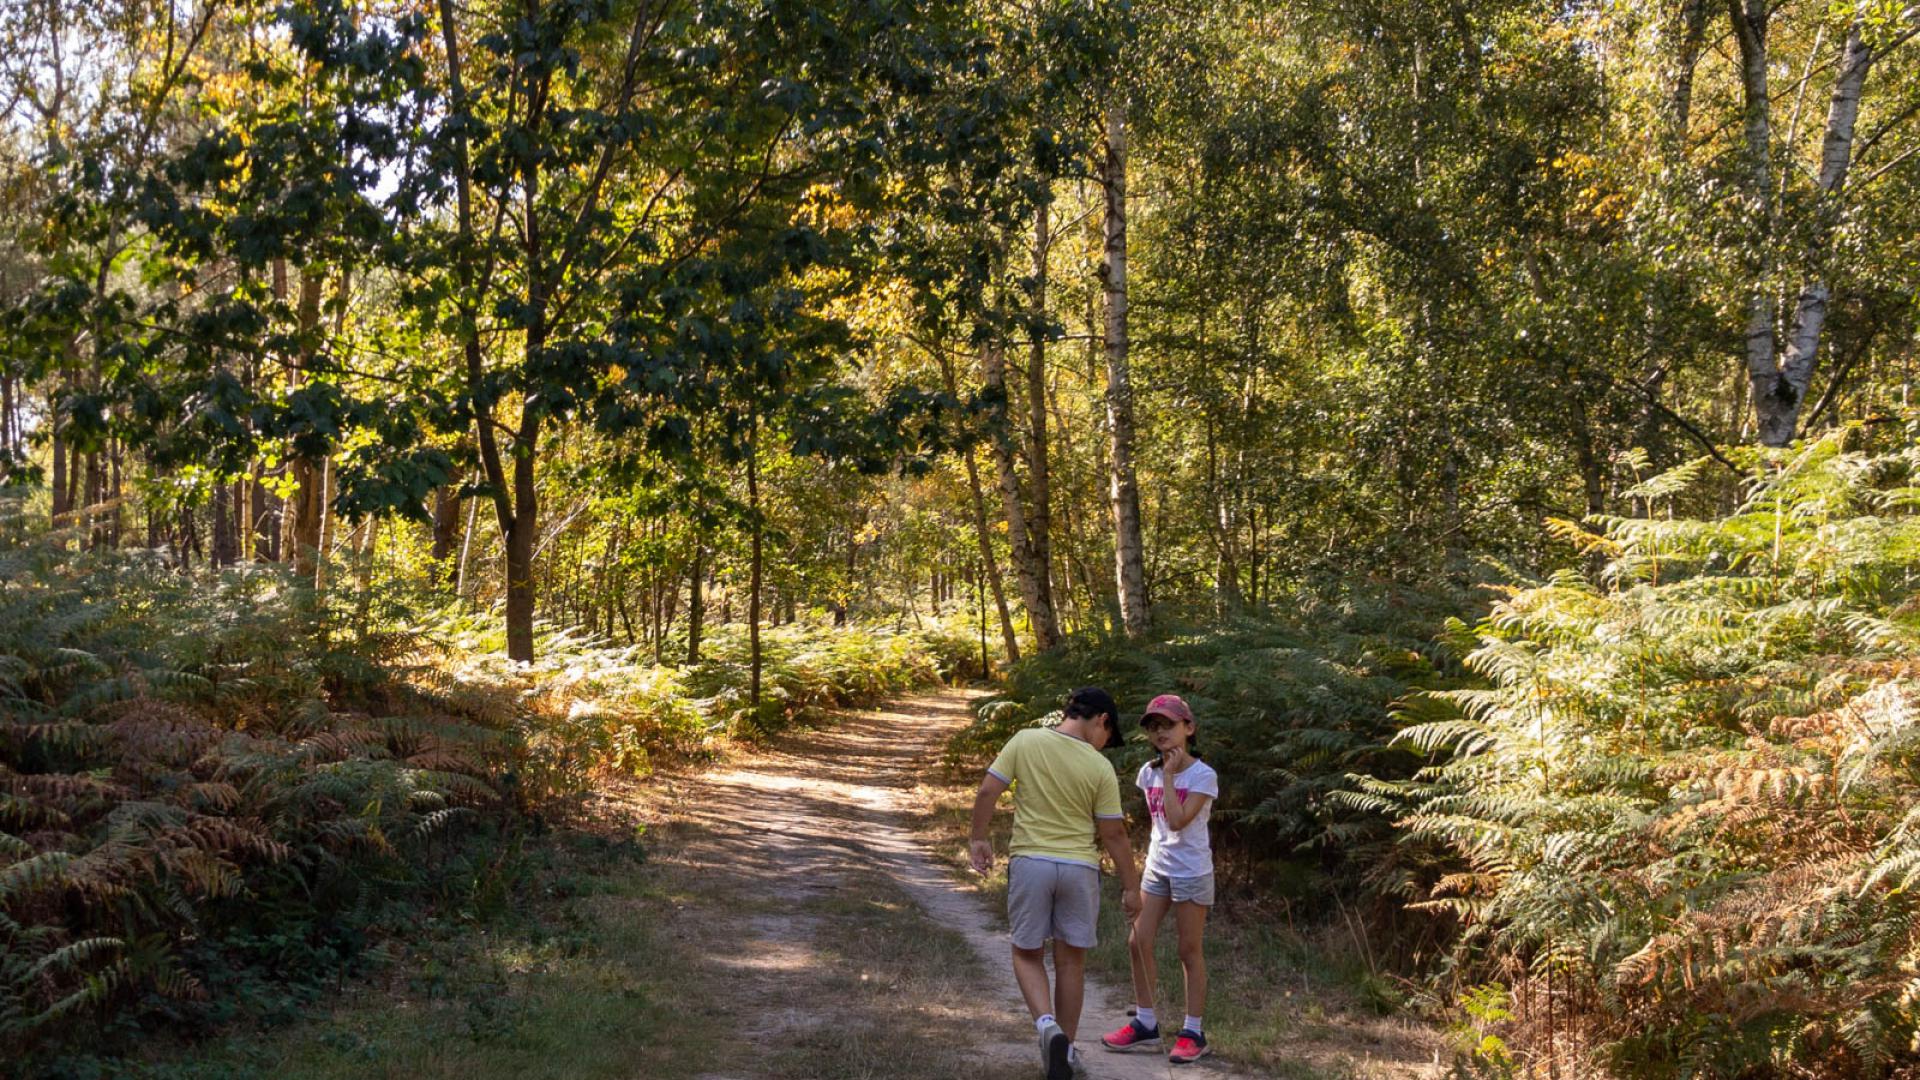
1146 926
1190 920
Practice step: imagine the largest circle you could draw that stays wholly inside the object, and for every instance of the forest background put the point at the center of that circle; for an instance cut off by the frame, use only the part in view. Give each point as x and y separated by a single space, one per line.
1494 416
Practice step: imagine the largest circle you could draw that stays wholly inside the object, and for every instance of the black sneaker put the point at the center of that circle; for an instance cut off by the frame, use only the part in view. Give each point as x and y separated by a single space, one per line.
1054 1045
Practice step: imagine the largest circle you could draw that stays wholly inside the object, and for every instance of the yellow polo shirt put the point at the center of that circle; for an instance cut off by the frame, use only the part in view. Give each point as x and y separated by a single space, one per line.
1060 785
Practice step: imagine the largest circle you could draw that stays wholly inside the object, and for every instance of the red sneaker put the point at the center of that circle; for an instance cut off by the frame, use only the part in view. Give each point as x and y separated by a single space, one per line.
1132 1038
1190 1047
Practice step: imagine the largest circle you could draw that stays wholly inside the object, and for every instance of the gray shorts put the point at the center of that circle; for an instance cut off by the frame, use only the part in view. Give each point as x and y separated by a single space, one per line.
1181 890
1047 899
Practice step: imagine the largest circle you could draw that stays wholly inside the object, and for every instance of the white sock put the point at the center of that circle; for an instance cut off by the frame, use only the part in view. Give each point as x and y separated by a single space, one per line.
1145 1015
1041 1023
1193 1024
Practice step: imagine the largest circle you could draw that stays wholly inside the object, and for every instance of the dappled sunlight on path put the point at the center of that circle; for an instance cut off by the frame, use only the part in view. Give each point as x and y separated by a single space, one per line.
838 946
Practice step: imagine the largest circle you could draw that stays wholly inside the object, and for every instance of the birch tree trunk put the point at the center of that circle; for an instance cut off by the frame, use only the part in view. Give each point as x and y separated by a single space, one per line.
1031 576
1777 382
1836 152
1129 554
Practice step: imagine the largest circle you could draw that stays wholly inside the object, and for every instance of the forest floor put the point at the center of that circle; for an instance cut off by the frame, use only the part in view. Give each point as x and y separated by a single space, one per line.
798 914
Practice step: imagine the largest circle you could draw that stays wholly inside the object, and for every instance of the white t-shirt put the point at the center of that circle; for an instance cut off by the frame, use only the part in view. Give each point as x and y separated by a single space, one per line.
1184 852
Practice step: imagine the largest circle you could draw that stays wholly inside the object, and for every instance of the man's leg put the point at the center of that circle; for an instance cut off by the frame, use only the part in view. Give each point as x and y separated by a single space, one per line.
1030 971
1069 985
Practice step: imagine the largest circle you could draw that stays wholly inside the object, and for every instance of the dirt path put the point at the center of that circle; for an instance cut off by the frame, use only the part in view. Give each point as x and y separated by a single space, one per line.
781 918
850 952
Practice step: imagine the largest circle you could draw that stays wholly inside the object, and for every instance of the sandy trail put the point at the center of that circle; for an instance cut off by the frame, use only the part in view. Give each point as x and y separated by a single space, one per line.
796 833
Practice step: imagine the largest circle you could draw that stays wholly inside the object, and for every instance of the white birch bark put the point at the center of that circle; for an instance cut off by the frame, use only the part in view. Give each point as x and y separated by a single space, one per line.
1778 379
1836 153
1129 553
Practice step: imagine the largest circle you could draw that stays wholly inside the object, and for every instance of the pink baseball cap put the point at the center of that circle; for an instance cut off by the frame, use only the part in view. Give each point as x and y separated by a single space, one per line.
1170 706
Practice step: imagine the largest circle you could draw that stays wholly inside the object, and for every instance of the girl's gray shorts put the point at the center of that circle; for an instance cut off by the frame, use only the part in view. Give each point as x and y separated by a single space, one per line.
1047 899
1181 890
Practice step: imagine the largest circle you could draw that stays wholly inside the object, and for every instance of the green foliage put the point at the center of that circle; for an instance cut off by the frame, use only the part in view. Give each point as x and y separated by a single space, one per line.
588 706
196 784
1684 795
1285 713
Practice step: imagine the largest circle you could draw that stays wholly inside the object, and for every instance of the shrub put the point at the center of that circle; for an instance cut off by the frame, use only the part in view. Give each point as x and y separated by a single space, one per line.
1678 818
186 762
586 705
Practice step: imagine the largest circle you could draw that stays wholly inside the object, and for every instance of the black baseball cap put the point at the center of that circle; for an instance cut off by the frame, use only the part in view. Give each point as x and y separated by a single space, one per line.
1091 701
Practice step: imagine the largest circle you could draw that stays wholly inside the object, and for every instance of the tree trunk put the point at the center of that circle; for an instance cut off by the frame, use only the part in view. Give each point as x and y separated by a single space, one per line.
1592 469
225 540
1039 484
1033 590
1128 550
6 418
696 601
853 550
446 532
466 549
518 527
327 526
1773 413
753 586
516 508
1226 571
62 500
365 549
156 524
303 525
113 489
1690 36
987 558
1810 310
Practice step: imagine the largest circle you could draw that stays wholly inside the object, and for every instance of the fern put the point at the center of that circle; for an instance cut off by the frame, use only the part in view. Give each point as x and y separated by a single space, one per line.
1685 788
173 751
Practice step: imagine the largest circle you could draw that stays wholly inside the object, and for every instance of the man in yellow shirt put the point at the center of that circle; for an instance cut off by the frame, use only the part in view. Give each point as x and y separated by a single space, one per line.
1065 795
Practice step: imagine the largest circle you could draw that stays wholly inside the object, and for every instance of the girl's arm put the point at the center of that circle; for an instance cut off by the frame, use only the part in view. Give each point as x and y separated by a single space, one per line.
1181 812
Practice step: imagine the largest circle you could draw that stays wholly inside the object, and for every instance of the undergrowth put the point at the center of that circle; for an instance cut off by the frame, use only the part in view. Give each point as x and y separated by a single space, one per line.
590 705
216 801
198 785
1677 824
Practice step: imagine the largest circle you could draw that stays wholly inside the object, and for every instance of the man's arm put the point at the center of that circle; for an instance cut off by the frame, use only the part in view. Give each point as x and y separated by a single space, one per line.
1113 835
979 847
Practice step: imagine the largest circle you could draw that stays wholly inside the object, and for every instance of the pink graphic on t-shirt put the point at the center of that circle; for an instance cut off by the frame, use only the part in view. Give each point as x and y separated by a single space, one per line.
1157 800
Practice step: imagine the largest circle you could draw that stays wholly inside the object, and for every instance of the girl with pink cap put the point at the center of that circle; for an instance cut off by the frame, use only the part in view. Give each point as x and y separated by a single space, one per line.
1180 790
